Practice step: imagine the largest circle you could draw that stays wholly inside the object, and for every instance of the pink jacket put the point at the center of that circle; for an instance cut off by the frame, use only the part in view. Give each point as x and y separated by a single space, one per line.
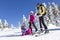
32 18
28 31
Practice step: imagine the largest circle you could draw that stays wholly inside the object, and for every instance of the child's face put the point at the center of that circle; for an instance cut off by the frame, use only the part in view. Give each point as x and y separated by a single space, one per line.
30 13
22 26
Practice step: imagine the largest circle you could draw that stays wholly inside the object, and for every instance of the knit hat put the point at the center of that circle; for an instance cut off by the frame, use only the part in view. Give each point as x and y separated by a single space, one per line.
31 12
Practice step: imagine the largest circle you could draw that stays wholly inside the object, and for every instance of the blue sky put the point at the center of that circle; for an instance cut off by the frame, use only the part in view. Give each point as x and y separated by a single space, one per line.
12 10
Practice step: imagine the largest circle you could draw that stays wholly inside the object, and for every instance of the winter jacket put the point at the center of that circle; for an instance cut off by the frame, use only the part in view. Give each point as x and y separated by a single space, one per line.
43 12
28 31
32 18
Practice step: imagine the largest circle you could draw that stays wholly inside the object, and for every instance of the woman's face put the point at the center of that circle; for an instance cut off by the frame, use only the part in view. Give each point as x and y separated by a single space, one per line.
38 5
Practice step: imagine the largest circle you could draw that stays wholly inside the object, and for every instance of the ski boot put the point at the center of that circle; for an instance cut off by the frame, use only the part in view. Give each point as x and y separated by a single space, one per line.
46 31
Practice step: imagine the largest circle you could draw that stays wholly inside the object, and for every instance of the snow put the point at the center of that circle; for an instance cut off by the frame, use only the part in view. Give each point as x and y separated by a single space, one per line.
50 26
10 31
14 34
51 36
54 35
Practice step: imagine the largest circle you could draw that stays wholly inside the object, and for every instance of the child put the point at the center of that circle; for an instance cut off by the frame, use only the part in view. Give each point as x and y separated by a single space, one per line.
25 31
28 32
32 20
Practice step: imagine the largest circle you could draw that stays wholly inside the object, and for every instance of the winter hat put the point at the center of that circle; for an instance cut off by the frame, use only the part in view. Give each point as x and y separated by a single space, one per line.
38 3
31 12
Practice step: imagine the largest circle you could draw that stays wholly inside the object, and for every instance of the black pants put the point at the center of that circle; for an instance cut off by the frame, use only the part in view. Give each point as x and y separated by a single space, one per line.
33 25
41 21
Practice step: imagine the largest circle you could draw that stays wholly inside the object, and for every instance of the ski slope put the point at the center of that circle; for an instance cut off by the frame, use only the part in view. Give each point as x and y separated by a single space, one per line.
14 34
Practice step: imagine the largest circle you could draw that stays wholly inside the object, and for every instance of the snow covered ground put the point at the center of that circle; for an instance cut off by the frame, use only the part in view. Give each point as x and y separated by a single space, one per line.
14 34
